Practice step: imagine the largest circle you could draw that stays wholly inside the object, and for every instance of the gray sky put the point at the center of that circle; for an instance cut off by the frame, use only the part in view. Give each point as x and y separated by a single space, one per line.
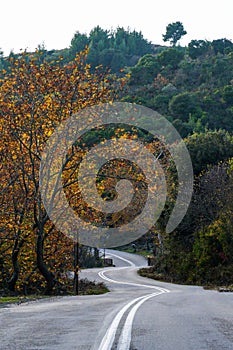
28 23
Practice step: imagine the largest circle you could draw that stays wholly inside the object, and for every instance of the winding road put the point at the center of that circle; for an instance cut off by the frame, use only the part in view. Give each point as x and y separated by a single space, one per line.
137 314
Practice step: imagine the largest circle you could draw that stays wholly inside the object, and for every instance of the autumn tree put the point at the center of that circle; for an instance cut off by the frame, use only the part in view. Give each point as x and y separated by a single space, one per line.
34 99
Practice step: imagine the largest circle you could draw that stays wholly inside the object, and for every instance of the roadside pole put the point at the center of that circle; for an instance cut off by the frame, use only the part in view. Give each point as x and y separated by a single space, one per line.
76 268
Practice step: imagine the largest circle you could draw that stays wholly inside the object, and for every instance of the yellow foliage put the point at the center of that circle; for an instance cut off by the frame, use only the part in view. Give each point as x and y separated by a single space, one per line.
34 100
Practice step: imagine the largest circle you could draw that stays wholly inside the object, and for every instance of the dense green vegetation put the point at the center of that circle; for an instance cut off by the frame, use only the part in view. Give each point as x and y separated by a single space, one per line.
112 49
193 88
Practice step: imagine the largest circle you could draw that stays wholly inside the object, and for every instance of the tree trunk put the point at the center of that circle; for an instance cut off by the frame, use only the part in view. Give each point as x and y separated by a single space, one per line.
16 270
48 275
14 258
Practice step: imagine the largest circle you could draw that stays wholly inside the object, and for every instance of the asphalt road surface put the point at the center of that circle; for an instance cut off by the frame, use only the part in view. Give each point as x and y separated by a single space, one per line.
138 314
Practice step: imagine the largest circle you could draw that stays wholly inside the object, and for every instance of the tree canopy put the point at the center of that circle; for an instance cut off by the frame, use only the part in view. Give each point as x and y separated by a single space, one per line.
174 32
113 49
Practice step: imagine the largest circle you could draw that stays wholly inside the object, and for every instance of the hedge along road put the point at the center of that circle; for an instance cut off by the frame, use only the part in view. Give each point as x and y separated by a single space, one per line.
138 314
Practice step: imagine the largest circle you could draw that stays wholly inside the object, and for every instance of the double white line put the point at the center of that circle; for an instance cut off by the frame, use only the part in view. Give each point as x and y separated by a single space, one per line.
125 337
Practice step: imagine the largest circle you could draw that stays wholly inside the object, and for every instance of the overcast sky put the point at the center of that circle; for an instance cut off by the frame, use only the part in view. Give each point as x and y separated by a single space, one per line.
28 23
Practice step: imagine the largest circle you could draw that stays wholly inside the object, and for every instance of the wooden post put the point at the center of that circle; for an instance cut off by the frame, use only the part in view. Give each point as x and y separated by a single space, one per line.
76 268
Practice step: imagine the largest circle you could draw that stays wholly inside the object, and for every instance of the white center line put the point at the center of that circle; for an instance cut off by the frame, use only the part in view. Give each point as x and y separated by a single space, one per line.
125 337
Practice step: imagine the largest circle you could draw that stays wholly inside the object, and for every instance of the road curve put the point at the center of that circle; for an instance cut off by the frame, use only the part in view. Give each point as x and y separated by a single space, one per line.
124 341
138 314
